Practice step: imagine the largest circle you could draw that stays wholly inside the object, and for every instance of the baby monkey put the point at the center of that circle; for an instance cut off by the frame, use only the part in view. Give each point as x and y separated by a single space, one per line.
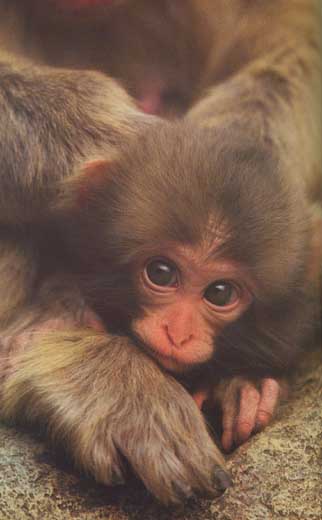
191 261
197 246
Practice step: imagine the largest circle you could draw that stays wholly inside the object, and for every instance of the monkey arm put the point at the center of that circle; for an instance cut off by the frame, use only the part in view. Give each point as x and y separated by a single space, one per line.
18 272
268 66
52 121
100 396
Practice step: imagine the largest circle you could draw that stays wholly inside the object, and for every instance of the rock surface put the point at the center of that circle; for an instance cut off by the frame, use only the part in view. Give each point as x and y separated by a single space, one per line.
277 475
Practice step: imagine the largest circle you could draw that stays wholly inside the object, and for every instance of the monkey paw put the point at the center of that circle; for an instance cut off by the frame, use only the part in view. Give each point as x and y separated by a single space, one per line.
165 440
118 404
168 446
247 407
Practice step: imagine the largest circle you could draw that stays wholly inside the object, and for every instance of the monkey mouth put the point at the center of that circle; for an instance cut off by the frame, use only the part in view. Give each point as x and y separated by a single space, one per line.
169 358
169 361
164 359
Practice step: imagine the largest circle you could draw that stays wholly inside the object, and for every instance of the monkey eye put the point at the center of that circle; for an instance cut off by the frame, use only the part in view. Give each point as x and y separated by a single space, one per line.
161 273
221 293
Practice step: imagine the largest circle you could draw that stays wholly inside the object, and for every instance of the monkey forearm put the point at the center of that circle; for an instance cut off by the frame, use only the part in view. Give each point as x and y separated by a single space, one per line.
51 121
99 396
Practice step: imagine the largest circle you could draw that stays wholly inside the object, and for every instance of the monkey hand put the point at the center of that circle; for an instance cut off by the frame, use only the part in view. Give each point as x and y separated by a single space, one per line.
247 407
145 415
163 435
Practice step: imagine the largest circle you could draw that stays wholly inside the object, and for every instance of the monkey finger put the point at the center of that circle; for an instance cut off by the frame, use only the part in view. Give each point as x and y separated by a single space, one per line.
92 321
200 397
270 395
248 407
229 408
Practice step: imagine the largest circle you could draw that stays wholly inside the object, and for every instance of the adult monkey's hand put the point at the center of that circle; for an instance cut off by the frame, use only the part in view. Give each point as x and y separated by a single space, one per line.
65 118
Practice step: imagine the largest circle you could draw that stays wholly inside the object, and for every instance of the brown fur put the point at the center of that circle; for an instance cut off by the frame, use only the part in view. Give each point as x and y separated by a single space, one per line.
95 424
18 273
231 68
259 215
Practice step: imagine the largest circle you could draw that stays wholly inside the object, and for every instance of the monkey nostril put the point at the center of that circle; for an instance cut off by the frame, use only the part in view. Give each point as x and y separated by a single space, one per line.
177 343
186 340
166 329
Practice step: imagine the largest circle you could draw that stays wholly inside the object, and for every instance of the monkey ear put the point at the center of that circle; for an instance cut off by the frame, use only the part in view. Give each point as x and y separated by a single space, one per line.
92 178
78 191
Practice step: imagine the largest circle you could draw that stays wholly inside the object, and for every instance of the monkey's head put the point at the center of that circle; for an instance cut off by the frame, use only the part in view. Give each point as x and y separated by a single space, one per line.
188 234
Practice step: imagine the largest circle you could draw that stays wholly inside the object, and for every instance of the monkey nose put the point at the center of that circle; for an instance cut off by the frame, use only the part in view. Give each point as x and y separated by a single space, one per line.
177 341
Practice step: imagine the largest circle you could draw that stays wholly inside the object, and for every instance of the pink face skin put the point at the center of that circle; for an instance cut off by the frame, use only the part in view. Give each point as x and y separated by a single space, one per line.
180 323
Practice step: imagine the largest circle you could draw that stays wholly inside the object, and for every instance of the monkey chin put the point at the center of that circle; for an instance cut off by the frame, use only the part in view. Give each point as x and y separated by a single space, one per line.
169 363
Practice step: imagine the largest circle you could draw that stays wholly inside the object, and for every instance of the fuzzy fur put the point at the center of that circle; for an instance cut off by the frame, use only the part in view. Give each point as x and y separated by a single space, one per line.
244 161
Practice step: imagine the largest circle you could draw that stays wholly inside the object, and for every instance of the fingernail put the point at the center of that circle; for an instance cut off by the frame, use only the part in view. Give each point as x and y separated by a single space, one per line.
224 479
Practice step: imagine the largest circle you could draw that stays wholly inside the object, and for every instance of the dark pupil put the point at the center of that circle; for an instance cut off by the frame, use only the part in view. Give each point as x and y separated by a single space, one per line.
219 293
161 273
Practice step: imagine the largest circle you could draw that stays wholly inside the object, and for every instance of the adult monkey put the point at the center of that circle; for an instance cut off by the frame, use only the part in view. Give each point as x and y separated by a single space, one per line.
42 142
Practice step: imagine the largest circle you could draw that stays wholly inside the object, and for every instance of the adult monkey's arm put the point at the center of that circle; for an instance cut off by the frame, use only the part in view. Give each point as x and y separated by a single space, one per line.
266 77
51 120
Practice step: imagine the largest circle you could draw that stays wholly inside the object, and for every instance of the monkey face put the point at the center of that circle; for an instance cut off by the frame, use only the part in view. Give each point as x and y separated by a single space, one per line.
187 299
